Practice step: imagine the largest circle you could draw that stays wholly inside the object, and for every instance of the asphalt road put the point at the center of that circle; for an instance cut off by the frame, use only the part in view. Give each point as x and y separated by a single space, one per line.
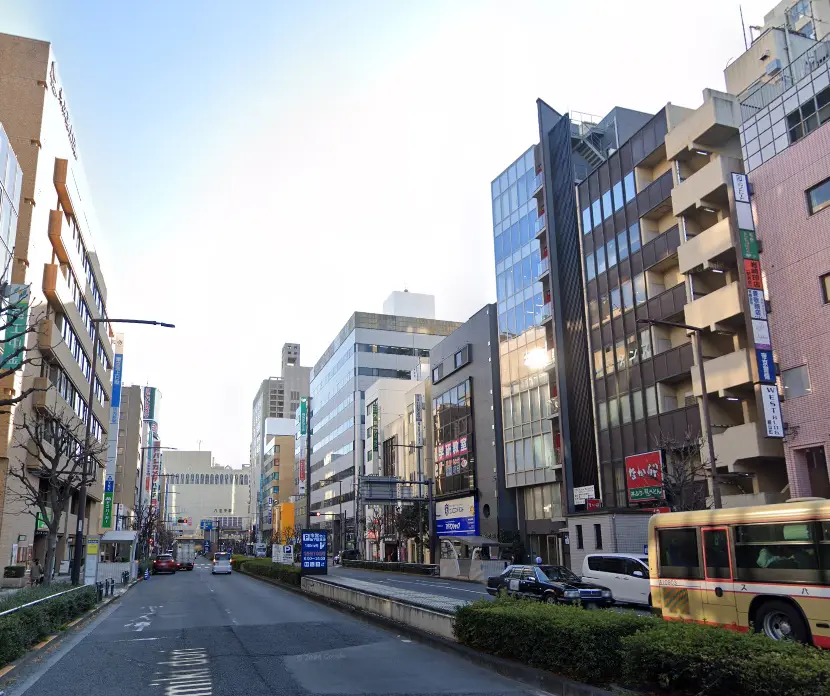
455 589
194 634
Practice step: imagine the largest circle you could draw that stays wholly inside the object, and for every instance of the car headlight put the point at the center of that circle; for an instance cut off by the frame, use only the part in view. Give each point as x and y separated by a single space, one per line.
571 594
606 594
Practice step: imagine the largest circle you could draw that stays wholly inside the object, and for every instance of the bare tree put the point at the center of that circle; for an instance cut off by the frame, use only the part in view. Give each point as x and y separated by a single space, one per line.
685 473
408 525
52 469
147 522
376 524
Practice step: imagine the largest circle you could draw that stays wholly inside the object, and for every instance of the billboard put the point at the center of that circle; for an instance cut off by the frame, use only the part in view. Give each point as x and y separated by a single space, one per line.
112 433
644 477
457 517
303 416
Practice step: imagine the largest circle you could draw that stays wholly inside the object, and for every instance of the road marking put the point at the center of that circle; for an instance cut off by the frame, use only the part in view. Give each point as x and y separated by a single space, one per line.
188 673
133 640
142 621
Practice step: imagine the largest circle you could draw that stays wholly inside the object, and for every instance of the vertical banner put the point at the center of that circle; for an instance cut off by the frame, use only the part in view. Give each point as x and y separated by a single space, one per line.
756 303
419 419
375 438
303 416
112 434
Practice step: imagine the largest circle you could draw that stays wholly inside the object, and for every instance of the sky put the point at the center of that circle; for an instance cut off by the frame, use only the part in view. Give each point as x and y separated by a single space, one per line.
262 169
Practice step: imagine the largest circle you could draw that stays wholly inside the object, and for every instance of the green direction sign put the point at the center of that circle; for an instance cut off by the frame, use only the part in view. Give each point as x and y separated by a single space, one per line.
749 244
303 416
15 338
106 519
40 522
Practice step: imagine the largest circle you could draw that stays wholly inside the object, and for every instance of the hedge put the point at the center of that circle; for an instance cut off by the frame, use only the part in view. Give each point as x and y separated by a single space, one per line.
22 629
674 657
238 559
277 571
642 652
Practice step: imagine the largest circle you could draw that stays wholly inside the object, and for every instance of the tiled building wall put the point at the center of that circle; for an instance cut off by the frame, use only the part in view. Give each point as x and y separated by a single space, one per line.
620 534
796 252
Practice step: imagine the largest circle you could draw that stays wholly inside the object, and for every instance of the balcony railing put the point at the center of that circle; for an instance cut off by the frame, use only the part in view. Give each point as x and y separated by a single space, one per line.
538 181
540 223
544 266
545 313
553 407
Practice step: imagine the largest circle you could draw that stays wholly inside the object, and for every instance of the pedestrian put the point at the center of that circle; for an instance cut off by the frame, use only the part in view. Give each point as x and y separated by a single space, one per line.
37 573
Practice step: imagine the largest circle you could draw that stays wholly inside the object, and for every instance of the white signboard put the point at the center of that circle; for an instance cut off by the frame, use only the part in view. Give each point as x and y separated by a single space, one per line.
760 332
772 410
757 305
741 186
419 419
282 554
582 494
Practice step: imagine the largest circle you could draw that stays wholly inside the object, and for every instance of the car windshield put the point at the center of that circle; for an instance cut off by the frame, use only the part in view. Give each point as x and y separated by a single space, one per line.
559 574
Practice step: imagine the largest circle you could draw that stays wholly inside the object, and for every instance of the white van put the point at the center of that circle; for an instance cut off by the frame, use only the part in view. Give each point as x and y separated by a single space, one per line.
625 574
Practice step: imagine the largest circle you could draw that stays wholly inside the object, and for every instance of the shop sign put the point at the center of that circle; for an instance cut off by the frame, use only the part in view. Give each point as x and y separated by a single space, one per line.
644 477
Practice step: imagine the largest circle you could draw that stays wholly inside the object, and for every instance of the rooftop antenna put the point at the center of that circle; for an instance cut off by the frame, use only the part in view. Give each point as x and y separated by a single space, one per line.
743 27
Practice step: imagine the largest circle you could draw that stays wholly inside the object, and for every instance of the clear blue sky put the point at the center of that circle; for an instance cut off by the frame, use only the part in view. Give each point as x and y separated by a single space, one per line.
262 169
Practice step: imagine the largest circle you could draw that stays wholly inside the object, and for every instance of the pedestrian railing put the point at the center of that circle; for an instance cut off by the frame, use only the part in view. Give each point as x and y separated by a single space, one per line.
38 601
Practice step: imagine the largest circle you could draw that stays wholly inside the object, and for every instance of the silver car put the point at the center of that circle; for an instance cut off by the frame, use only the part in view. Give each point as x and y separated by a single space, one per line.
221 563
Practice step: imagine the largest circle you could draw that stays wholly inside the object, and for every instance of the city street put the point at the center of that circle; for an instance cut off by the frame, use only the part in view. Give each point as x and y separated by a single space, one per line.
455 589
197 634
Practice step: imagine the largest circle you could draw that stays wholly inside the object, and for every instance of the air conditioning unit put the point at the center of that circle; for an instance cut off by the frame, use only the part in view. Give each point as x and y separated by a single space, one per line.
773 67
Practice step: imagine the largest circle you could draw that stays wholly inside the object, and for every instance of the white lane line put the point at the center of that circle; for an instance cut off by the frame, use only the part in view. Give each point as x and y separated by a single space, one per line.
188 673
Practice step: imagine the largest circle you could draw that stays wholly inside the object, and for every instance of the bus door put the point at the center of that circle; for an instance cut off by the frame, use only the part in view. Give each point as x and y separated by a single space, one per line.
718 595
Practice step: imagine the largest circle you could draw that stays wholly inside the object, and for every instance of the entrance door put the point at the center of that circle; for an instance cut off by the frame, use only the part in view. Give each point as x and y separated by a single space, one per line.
553 550
718 596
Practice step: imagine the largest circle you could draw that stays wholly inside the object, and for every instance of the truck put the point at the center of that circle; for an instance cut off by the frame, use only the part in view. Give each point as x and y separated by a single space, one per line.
184 552
260 550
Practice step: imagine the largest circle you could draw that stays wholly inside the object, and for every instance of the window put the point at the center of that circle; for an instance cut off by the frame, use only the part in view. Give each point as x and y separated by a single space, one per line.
616 303
796 382
596 212
600 260
611 252
818 197
825 288
609 359
598 536
606 205
603 416
809 116
637 398
777 551
716 553
639 288
634 236
622 244
621 355
625 409
677 553
579 541
645 343
618 196
604 308
590 269
651 401
597 364
586 221
633 349
437 373
627 295
630 189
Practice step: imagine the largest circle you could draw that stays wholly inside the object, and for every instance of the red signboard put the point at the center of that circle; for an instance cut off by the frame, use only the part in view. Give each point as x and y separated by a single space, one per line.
753 274
644 477
593 504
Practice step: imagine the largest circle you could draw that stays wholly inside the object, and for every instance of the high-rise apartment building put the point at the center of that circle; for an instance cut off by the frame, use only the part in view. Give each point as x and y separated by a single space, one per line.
785 146
545 386
277 397
368 346
55 255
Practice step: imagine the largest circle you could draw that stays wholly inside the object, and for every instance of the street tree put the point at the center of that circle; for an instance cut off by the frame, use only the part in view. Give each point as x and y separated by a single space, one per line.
685 473
52 468
412 522
147 522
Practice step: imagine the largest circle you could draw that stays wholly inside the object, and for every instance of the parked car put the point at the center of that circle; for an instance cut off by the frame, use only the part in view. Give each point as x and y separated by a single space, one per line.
164 563
347 555
551 584
625 574
221 563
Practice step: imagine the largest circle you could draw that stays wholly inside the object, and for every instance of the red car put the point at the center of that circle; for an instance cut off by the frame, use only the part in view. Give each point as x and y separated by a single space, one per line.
164 563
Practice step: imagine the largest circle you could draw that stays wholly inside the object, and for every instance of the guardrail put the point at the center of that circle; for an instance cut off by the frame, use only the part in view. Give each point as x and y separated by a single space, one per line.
394 567
38 601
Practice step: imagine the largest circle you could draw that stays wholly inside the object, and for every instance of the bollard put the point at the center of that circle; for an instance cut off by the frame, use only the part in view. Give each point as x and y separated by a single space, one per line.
100 589
146 573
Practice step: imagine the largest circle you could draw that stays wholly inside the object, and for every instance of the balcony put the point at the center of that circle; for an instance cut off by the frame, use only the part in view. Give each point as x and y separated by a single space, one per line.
709 246
538 183
57 235
745 441
710 126
707 187
65 186
544 267
55 287
546 313
48 337
553 407
540 223
724 373
668 305
653 200
715 308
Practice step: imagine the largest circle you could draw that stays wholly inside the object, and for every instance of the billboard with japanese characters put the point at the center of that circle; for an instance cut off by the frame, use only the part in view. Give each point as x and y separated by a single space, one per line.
644 477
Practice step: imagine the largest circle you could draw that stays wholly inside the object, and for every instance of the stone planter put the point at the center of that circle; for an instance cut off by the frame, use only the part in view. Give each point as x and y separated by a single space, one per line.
15 582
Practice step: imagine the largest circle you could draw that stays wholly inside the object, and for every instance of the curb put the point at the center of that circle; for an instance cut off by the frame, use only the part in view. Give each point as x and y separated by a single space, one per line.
531 676
35 650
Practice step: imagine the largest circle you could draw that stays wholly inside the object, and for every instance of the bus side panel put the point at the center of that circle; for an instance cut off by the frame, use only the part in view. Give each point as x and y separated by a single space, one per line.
677 601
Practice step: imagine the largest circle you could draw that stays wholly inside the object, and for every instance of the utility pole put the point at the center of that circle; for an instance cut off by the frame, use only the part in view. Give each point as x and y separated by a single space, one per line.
307 463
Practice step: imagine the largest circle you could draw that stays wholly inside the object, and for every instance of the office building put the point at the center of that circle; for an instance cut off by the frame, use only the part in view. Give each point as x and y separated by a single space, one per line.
129 455
54 254
277 397
277 477
471 494
545 385
785 143
203 495
368 347
410 304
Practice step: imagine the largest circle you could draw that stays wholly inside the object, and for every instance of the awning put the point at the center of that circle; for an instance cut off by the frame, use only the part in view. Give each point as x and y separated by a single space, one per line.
123 535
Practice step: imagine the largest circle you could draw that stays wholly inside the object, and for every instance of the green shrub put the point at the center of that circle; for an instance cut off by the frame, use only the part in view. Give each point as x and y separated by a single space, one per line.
567 640
22 629
14 571
238 559
711 661
277 571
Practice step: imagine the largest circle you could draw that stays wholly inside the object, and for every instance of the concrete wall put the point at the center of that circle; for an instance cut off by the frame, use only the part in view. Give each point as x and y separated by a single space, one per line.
621 533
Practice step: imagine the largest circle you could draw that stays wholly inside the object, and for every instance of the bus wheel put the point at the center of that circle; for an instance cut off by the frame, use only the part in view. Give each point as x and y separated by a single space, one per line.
780 621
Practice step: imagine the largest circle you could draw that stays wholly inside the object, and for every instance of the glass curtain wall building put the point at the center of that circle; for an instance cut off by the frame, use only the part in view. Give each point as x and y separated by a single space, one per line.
11 181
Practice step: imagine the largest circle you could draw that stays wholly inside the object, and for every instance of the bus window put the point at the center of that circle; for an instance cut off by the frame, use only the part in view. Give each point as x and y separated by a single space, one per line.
678 553
776 552
716 553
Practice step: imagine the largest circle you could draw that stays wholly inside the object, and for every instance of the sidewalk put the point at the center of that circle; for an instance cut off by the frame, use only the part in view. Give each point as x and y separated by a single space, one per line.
434 602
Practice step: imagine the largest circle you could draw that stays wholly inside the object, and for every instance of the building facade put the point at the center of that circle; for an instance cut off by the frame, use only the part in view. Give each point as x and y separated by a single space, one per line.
129 455
368 347
276 479
467 430
55 255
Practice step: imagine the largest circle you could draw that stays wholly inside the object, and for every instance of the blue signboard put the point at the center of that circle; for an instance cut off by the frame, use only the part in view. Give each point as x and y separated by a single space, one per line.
314 552
766 366
457 517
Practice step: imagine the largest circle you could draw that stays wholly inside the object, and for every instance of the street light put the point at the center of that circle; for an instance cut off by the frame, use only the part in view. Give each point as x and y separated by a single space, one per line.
707 421
79 534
